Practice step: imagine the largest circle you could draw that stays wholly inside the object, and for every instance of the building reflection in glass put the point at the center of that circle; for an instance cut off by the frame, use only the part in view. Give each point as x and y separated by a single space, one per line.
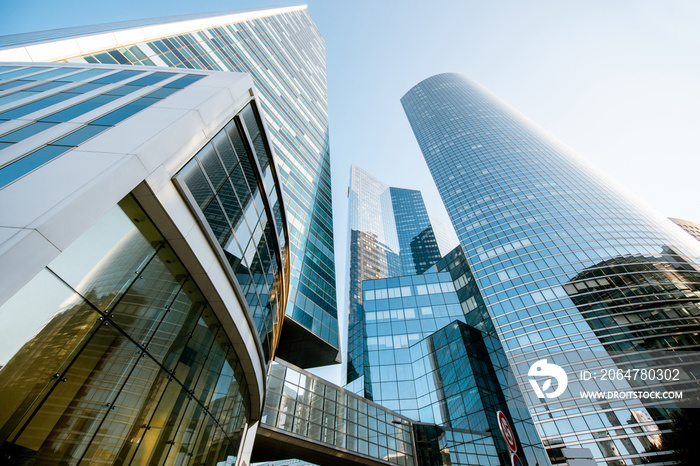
233 185
434 357
124 360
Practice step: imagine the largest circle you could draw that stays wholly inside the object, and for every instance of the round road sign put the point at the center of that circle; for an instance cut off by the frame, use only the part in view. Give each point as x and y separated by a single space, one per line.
506 431
515 460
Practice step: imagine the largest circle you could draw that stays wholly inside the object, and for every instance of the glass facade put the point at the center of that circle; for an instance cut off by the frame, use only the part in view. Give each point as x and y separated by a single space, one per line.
373 252
418 247
569 265
434 357
233 183
312 408
390 235
285 55
118 358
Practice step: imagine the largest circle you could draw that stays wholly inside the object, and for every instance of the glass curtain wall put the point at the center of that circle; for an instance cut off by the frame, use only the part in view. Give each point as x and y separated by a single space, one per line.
111 355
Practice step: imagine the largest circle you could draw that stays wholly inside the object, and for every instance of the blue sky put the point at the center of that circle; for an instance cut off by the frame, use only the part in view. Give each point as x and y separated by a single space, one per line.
616 81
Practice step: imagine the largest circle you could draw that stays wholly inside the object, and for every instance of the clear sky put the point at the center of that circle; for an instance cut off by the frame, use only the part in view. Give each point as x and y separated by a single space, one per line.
618 81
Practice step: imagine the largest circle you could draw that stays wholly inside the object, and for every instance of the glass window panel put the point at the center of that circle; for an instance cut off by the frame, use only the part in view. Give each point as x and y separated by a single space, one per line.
50 74
217 221
26 109
123 90
121 59
21 167
26 131
124 112
82 75
193 176
230 203
29 373
168 342
6 99
83 88
140 310
225 151
116 77
14 74
212 166
162 93
105 58
134 405
79 398
80 109
47 86
10 85
78 137
184 81
96 264
151 79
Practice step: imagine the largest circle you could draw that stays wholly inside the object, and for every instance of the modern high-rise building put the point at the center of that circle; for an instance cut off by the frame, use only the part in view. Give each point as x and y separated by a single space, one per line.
692 228
573 270
389 235
284 52
433 355
144 258
419 330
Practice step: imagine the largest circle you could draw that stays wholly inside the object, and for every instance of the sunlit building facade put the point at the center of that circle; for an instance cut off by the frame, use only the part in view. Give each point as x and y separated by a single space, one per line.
419 329
434 356
389 235
692 228
145 264
283 51
571 268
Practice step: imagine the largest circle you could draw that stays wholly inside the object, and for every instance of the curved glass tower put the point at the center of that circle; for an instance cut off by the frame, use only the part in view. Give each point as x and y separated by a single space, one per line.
572 269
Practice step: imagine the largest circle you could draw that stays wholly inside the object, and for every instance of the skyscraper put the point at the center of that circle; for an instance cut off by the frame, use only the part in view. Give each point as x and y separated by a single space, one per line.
692 228
284 52
390 235
434 356
571 268
419 331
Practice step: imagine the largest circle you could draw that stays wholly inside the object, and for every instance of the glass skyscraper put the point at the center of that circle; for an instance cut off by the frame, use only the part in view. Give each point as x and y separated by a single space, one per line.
434 356
420 333
390 235
571 268
284 53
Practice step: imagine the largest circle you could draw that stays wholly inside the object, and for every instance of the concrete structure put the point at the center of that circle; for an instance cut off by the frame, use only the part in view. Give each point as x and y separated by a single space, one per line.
537 225
284 53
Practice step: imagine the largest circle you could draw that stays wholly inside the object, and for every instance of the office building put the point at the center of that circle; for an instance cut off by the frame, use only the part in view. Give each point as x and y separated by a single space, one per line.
284 52
145 263
434 356
571 268
692 228
419 329
390 235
